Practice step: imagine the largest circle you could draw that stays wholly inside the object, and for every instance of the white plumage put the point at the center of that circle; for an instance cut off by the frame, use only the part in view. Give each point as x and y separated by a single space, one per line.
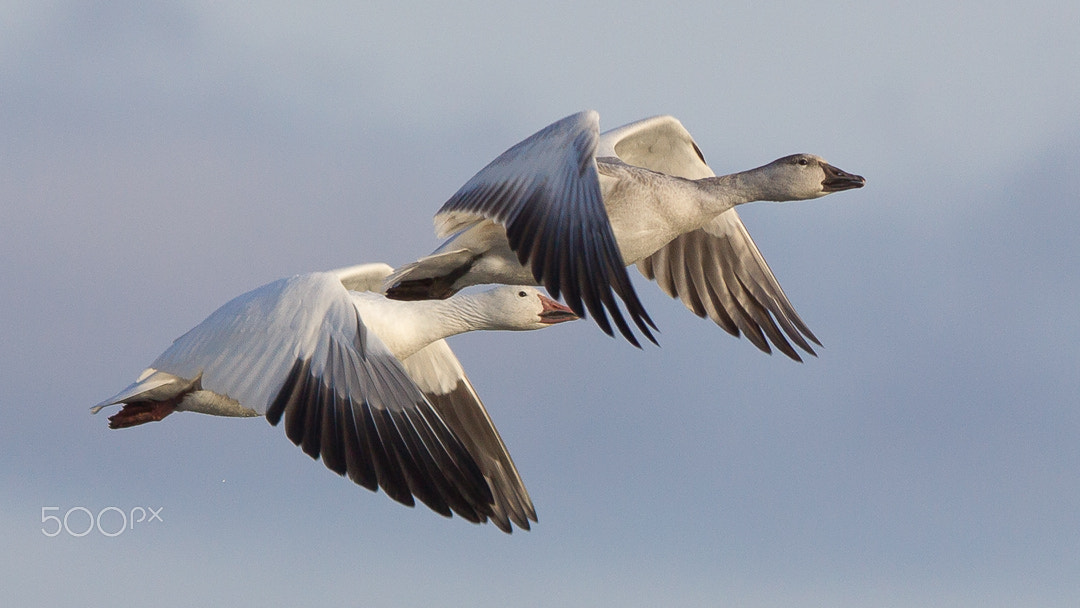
365 383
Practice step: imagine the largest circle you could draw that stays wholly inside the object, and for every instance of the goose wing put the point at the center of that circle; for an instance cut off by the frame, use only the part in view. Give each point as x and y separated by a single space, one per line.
363 277
440 376
545 192
659 143
297 350
717 271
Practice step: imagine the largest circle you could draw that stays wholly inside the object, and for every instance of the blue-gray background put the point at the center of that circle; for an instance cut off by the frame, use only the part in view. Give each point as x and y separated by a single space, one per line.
157 161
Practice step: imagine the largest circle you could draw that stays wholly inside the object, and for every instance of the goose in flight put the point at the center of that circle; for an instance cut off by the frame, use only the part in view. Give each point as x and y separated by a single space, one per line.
366 383
569 208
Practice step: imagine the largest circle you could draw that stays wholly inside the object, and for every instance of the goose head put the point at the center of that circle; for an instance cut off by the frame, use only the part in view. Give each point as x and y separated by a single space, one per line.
521 307
804 176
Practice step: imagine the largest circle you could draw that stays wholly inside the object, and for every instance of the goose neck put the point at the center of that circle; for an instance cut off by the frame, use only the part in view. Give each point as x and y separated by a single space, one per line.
410 326
746 186
727 191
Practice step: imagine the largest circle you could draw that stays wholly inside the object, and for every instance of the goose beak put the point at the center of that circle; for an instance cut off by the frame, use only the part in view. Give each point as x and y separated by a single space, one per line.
553 312
837 180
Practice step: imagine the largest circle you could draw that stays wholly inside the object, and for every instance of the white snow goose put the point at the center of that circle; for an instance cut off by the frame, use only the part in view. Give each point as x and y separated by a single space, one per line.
366 383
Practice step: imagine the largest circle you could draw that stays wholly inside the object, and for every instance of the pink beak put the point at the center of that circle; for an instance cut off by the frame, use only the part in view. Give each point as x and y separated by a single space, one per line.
554 312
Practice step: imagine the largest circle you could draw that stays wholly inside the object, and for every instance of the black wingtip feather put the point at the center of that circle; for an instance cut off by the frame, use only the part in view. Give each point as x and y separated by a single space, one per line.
379 447
561 274
559 229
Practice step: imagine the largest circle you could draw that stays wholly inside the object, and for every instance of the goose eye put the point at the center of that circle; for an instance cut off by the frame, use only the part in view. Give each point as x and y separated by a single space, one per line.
522 294
803 162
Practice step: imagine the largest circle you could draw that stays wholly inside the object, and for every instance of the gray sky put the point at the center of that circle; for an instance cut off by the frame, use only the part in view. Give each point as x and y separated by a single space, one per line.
156 162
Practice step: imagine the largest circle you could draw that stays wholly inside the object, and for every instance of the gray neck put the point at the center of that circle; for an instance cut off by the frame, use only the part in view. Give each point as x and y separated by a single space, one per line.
726 191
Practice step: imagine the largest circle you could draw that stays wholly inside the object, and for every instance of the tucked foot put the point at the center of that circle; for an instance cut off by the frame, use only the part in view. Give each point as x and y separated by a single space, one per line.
133 414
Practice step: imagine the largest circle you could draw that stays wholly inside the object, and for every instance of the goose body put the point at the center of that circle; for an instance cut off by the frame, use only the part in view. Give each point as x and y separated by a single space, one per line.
365 383
569 208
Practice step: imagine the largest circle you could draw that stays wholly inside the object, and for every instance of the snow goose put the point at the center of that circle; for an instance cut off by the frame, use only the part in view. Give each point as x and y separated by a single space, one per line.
568 208
366 383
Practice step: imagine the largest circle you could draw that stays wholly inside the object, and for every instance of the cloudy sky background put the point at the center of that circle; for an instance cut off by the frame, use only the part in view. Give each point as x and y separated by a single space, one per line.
157 161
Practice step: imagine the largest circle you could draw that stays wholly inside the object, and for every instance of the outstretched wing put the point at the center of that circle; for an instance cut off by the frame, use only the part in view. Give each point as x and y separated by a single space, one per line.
545 192
717 271
440 376
297 351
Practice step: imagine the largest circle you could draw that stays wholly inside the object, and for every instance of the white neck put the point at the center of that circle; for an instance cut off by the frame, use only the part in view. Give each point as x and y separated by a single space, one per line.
406 327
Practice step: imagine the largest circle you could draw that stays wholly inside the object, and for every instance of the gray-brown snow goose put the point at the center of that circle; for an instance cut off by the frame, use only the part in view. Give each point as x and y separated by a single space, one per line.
569 208
366 383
